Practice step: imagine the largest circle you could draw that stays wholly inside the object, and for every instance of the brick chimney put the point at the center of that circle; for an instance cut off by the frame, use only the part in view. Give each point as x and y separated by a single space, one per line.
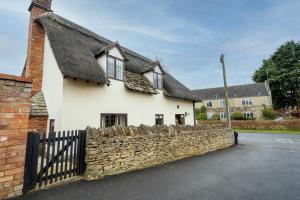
35 49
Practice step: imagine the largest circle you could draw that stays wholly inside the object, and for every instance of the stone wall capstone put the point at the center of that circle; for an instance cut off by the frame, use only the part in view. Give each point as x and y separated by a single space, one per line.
116 150
292 124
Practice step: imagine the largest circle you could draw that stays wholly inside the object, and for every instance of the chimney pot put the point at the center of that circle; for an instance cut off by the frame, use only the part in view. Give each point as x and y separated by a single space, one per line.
43 4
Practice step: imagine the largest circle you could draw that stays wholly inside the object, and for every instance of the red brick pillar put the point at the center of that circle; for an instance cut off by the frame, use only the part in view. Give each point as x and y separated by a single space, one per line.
36 41
15 95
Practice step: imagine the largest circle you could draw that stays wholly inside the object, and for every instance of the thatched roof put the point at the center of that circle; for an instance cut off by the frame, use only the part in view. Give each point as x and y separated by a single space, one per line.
237 91
38 105
107 48
151 67
75 48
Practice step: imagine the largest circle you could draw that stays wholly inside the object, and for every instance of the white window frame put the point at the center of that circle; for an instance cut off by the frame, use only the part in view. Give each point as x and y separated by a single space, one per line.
157 80
247 102
209 115
223 115
249 114
222 103
115 74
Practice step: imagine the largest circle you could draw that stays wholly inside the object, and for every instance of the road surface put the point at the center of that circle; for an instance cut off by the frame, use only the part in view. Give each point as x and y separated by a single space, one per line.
263 166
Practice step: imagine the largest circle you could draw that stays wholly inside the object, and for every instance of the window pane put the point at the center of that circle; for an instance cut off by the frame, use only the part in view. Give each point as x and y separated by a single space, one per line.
155 80
250 101
111 67
113 120
119 69
109 120
209 104
123 120
159 119
159 81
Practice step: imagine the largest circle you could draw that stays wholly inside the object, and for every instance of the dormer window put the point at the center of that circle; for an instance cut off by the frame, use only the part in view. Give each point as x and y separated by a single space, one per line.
157 80
115 68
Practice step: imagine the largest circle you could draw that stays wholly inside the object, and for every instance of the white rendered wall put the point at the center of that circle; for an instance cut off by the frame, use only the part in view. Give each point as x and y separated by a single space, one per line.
52 85
149 76
84 102
77 104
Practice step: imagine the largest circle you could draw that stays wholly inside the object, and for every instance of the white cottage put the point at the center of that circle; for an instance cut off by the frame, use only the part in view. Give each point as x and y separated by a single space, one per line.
82 79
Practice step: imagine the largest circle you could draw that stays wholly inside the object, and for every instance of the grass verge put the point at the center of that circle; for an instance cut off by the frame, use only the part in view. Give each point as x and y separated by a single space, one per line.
268 131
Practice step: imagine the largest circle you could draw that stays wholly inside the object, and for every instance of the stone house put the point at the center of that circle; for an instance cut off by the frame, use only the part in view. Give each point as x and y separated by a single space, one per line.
81 78
248 99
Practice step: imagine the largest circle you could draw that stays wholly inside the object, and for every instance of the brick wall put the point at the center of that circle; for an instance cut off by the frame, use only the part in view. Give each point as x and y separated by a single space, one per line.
116 150
38 124
15 95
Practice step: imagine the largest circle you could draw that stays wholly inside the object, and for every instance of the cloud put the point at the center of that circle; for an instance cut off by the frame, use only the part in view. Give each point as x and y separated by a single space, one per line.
159 25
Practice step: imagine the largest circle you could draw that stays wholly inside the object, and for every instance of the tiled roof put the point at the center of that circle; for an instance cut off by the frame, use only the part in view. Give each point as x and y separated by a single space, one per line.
38 105
238 91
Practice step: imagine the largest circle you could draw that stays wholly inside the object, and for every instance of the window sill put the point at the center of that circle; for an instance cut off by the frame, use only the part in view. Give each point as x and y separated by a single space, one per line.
116 79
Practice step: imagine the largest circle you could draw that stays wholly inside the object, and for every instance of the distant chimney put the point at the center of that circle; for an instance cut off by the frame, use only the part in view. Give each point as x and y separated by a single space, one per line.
35 49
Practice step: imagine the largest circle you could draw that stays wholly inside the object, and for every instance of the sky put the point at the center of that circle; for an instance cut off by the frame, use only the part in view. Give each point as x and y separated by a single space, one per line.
187 36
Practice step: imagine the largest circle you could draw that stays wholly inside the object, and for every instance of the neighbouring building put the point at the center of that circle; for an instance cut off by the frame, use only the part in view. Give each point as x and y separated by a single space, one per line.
249 99
83 79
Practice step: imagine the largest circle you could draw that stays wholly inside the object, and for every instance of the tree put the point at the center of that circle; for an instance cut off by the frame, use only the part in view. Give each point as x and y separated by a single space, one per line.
202 116
203 109
283 70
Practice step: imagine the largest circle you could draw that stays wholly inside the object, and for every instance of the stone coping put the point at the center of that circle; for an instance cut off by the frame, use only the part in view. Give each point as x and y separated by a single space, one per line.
15 78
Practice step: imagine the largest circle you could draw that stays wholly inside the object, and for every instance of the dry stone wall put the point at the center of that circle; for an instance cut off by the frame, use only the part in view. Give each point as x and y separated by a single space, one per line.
116 150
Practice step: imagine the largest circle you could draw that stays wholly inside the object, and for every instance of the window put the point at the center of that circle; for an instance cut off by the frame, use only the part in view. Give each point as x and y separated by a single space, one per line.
109 120
119 69
223 115
51 125
157 80
179 119
210 115
249 114
222 103
115 68
209 104
247 102
159 119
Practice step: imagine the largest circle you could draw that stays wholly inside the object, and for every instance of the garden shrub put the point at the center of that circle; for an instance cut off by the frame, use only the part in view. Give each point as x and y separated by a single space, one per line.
202 116
238 116
215 116
269 114
203 109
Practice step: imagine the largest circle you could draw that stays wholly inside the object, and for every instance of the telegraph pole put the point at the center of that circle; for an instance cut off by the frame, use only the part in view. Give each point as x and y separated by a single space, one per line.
226 92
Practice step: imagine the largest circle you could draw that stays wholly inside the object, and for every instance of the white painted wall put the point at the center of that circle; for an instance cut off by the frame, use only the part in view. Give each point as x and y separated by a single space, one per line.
102 62
84 102
157 69
52 85
77 104
115 52
149 76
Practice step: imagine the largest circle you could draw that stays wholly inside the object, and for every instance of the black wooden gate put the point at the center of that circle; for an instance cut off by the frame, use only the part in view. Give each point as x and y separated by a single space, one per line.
55 158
